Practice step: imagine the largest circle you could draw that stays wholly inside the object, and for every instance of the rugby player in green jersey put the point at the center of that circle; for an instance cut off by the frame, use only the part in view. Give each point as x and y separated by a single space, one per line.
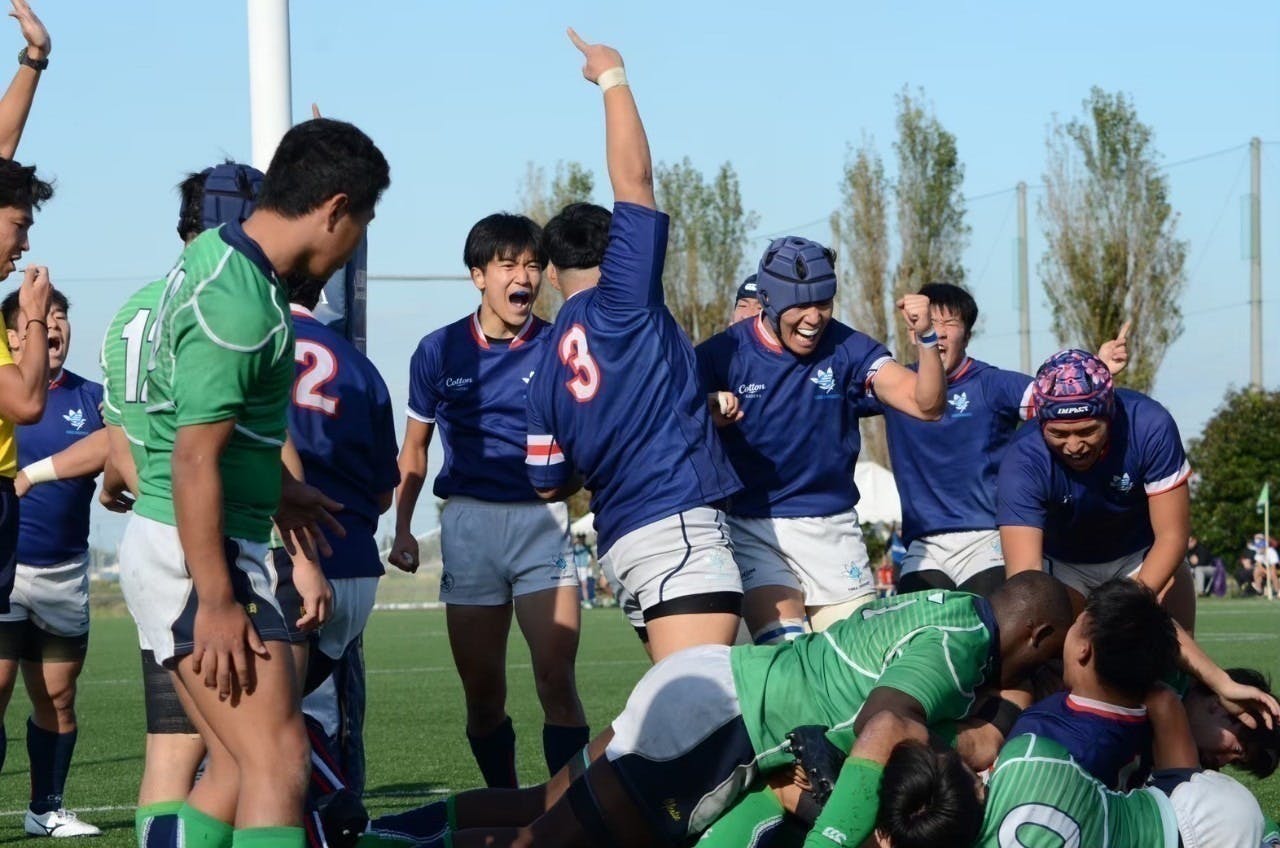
195 572
704 723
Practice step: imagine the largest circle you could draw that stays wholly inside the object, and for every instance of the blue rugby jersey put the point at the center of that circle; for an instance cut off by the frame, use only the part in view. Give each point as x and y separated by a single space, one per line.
1112 743
616 395
343 426
53 524
473 390
798 439
946 470
1099 515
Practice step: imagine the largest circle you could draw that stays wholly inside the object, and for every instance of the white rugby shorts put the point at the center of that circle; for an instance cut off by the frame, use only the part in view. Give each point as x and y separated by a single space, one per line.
681 556
162 598
54 598
824 556
1084 577
680 746
960 555
494 552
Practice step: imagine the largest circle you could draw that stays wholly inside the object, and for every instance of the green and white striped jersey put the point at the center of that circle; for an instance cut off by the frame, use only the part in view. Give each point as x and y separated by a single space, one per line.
1038 797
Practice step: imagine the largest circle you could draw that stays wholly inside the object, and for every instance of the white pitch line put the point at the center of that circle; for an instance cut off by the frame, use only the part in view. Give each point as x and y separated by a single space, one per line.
120 808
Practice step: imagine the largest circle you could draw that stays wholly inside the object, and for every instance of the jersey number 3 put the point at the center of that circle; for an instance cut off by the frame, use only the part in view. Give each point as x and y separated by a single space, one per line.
319 368
575 353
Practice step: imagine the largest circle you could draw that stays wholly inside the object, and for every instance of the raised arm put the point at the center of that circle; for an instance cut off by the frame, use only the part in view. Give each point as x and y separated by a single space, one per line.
923 393
25 386
626 147
15 106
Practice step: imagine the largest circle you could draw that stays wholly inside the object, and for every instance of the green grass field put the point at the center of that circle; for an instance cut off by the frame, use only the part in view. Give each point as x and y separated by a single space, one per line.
414 730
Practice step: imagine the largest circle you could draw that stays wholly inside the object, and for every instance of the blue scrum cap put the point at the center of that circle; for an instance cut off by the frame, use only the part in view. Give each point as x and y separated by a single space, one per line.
230 191
747 291
794 271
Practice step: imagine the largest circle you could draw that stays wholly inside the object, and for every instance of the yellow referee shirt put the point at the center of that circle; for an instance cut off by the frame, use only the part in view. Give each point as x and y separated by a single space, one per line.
8 444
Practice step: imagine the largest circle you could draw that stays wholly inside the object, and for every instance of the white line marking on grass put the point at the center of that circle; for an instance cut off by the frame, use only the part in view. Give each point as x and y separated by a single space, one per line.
120 808
1236 637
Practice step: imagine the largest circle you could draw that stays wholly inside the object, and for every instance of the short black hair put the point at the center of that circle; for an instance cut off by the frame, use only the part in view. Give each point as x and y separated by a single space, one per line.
955 300
928 799
10 309
502 236
1261 744
303 290
20 188
577 237
319 159
1134 641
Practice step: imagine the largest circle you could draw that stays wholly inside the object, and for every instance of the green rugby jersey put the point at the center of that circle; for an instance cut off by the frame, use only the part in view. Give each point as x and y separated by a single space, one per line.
935 646
1038 797
222 349
126 349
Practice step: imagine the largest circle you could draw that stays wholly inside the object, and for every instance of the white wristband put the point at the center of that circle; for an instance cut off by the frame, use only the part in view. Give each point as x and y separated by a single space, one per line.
41 471
611 78
927 340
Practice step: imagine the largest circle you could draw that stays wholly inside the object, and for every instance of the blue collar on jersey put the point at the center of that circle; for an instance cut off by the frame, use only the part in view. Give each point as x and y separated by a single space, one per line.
983 608
233 234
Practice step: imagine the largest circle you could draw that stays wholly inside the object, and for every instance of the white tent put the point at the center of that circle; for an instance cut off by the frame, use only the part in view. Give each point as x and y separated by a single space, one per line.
879 503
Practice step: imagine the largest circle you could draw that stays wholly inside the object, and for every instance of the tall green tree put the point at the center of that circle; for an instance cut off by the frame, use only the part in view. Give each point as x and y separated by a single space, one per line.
1113 253
930 207
723 246
706 246
860 235
542 200
1236 454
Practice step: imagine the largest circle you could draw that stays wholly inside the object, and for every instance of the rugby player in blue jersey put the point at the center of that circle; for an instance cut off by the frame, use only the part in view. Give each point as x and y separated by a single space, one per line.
616 399
949 518
1099 488
787 388
746 303
46 631
504 549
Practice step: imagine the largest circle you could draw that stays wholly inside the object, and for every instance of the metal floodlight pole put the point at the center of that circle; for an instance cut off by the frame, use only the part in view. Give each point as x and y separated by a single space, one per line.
270 84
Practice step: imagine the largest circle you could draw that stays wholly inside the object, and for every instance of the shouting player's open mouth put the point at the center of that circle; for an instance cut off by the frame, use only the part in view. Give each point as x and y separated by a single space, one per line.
520 298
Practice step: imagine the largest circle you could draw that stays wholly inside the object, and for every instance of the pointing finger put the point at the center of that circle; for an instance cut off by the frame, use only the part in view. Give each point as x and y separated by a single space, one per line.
577 41
1124 331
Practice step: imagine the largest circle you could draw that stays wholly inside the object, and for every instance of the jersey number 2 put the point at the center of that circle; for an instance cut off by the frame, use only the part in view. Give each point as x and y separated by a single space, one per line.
575 353
320 368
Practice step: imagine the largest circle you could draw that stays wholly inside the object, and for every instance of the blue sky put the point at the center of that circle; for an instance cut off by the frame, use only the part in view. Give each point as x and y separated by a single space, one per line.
462 96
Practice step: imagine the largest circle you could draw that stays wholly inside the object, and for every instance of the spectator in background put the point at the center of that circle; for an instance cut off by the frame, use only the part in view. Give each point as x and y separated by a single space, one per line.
1265 560
582 562
1247 576
1201 562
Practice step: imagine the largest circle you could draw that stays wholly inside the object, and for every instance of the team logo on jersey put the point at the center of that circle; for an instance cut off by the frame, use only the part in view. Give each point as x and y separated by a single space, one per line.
526 380
1122 483
960 404
558 570
750 390
75 418
446 583
825 380
458 382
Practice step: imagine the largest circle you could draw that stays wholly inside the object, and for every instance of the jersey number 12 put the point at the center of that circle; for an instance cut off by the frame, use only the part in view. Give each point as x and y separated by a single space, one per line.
134 334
